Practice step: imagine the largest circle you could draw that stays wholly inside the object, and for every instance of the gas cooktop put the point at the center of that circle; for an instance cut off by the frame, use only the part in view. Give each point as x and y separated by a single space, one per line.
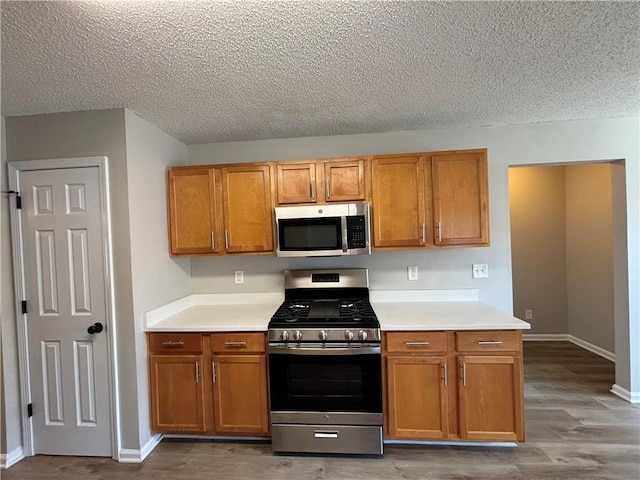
327 306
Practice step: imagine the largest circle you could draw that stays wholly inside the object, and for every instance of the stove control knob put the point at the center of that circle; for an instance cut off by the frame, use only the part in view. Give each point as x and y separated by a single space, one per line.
284 335
362 334
323 335
297 335
348 335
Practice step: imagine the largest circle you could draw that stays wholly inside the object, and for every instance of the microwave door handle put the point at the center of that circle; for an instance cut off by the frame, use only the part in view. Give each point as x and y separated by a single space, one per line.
345 240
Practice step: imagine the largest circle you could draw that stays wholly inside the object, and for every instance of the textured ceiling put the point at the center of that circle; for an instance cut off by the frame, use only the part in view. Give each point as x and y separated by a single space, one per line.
226 71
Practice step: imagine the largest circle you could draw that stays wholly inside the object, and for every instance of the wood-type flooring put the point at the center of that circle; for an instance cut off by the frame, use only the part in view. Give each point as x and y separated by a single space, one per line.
576 430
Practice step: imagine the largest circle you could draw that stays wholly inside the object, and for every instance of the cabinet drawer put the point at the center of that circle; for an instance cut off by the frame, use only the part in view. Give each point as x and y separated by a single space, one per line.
488 341
238 342
405 342
179 343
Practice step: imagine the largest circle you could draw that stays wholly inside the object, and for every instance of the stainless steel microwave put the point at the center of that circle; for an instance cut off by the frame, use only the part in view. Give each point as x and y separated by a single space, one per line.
323 230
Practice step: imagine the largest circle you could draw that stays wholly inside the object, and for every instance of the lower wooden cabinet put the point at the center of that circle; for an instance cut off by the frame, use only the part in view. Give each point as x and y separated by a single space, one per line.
417 402
220 387
240 394
177 396
454 385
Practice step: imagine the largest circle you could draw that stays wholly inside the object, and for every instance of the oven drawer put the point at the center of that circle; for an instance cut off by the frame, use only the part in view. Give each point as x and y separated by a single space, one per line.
238 343
411 342
178 343
488 341
349 439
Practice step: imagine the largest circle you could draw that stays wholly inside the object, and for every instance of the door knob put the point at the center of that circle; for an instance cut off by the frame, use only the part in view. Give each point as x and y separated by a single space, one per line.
95 328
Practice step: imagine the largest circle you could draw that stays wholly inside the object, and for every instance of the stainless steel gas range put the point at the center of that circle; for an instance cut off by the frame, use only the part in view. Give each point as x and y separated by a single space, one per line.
325 368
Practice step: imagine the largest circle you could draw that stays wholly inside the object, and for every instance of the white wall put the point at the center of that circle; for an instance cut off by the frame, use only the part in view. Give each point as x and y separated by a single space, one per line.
157 279
540 143
589 244
538 240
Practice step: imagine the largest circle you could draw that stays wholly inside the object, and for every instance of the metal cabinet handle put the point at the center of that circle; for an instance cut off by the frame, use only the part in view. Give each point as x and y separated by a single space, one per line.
226 239
173 343
213 372
424 233
235 344
213 241
445 374
197 372
414 344
497 342
313 190
328 189
464 374
439 232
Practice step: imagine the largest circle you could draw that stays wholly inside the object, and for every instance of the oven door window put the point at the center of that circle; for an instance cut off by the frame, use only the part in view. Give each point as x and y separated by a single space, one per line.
324 383
302 234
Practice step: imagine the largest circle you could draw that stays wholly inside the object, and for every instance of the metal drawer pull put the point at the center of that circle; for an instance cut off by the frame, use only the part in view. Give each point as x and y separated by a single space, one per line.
324 434
197 372
173 343
490 343
414 344
464 374
313 190
213 372
235 344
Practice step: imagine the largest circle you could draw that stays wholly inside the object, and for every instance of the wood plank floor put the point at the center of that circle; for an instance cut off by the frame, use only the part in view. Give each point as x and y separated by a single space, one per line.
576 430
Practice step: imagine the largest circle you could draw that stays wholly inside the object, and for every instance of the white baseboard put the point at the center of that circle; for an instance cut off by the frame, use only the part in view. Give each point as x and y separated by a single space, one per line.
623 393
130 455
565 337
11 458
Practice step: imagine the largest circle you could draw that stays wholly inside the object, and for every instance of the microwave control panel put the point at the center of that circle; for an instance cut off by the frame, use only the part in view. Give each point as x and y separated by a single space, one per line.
356 231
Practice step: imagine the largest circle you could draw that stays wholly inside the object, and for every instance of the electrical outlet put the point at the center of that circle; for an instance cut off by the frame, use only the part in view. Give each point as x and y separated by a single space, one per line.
528 314
480 270
412 273
239 276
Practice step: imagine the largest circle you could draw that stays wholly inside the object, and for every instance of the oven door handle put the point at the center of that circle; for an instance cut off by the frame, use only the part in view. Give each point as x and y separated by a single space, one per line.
365 350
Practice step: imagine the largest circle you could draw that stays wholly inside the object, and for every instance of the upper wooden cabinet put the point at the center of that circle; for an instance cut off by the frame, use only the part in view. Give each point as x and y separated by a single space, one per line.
423 200
248 221
321 181
398 201
192 215
216 210
460 212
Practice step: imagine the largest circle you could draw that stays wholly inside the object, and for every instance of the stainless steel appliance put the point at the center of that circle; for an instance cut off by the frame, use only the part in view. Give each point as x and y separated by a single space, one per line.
323 230
325 370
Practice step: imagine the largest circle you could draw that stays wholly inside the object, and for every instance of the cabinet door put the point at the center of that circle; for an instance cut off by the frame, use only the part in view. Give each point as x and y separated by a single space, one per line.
460 199
398 202
177 396
191 204
296 183
490 398
248 224
240 394
344 180
417 397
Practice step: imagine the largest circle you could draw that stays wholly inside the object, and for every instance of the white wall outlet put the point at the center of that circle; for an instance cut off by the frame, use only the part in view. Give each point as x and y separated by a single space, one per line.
528 314
480 270
238 276
412 272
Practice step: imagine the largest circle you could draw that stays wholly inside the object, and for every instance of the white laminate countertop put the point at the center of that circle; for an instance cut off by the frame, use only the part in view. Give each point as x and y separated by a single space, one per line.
455 315
235 312
396 310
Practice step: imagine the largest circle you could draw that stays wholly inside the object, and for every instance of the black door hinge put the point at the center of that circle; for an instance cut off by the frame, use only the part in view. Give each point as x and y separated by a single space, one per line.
18 202
30 410
24 306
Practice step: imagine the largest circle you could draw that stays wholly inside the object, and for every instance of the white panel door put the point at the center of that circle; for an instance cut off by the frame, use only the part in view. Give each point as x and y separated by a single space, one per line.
65 287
